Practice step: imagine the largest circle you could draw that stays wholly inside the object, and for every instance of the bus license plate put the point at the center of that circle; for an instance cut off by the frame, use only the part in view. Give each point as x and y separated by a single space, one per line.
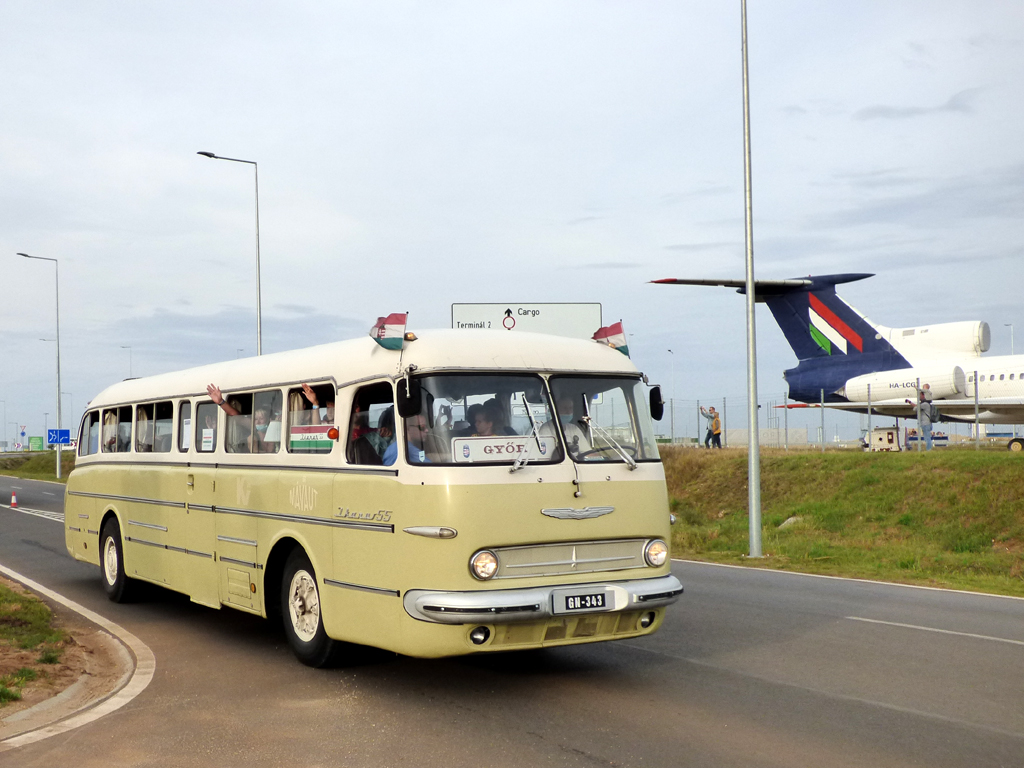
592 602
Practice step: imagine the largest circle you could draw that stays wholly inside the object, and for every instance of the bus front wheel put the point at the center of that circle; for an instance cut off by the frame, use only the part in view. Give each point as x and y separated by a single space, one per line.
300 609
116 583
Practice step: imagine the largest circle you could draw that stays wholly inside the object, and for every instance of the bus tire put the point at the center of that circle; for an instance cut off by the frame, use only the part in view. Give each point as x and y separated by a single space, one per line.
1016 445
301 614
116 584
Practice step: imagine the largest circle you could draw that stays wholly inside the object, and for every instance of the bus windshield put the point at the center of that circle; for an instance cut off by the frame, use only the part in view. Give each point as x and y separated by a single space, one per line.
482 419
604 418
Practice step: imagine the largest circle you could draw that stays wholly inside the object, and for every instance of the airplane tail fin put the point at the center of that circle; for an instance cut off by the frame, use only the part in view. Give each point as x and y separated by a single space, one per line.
815 321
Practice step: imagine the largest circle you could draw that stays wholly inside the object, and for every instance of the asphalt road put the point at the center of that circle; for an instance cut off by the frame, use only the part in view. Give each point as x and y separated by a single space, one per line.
752 668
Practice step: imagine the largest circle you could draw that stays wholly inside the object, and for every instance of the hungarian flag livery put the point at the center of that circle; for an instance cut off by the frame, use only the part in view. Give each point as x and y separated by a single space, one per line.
389 331
614 337
828 331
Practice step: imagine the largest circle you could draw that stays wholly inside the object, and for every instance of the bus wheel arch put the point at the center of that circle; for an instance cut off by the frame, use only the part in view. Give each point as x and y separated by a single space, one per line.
116 583
273 572
300 607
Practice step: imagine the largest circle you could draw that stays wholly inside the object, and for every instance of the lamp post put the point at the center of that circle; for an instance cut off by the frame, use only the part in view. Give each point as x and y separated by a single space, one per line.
5 423
71 399
56 276
259 316
129 348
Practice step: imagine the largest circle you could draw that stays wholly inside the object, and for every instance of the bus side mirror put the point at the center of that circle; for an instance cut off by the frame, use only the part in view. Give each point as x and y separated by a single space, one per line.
657 404
410 401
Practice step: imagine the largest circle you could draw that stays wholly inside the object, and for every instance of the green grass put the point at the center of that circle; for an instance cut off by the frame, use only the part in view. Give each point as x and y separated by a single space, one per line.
26 623
950 518
37 466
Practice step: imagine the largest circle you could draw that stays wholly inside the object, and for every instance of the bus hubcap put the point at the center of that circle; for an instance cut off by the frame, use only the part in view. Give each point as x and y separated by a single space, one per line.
304 606
110 560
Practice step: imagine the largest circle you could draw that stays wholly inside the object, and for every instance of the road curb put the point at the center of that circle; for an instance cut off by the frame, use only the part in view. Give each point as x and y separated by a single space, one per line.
141 667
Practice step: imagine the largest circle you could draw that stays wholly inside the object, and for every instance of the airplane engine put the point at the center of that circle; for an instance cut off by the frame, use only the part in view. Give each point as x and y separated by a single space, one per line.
902 384
969 338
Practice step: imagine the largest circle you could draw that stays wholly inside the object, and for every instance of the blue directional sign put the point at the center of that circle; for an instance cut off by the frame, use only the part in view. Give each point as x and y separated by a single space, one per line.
58 436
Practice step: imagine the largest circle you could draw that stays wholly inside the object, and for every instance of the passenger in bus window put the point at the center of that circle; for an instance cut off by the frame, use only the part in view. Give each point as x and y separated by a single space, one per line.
486 420
575 437
214 392
499 425
419 439
311 396
386 429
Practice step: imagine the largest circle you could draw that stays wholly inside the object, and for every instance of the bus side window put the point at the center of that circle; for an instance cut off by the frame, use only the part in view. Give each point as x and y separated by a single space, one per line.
367 442
239 429
89 440
124 429
308 424
110 431
184 425
206 427
144 428
267 422
163 427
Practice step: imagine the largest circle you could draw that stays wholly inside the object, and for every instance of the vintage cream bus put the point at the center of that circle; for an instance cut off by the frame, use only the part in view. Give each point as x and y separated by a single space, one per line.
474 491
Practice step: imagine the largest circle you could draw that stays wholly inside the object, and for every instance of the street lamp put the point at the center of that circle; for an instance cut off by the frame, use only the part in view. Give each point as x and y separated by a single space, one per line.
5 423
71 398
129 348
259 316
56 275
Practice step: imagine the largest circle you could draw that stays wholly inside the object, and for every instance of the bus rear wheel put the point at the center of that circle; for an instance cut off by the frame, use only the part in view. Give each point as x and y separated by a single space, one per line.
116 584
1016 445
300 610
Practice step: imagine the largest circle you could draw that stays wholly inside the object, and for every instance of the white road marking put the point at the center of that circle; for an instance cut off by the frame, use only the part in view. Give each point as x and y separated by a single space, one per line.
57 517
47 493
936 629
145 666
845 578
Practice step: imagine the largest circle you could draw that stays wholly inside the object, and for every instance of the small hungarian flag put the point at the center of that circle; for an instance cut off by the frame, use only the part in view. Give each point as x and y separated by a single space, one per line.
389 331
614 337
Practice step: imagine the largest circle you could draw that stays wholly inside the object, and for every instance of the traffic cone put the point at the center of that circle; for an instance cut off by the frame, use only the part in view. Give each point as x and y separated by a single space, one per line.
14 500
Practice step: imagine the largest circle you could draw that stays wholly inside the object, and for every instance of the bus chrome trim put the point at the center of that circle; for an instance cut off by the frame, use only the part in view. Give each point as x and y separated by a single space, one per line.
233 540
568 513
504 606
563 558
148 525
146 542
379 527
232 560
432 531
184 464
197 553
133 499
76 530
362 587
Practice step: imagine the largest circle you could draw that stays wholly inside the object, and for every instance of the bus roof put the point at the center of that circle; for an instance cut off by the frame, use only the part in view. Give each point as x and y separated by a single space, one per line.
363 358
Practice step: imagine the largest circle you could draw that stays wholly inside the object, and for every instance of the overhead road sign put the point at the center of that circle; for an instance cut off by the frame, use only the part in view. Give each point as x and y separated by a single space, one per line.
576 320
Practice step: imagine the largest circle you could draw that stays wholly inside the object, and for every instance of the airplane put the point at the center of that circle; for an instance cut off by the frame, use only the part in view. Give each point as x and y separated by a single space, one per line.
849 362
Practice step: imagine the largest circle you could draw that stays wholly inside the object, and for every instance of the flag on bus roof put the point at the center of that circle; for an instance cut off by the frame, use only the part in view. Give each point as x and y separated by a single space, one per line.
614 337
389 331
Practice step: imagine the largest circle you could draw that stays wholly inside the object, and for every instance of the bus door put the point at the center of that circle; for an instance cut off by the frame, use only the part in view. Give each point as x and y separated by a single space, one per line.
200 538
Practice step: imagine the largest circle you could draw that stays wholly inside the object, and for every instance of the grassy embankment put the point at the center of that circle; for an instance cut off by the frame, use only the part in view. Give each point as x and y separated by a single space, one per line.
949 518
30 642
37 466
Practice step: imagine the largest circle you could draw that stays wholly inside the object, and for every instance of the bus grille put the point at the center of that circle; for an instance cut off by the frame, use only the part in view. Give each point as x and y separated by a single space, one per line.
570 557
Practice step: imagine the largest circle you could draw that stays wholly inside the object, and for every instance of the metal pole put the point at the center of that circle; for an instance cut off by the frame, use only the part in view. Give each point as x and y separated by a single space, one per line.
754 453
977 425
56 275
5 423
699 423
920 432
785 413
823 421
725 433
869 417
1011 355
672 397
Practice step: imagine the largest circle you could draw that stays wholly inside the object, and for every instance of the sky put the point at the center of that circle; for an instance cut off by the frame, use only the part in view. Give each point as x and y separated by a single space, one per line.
413 155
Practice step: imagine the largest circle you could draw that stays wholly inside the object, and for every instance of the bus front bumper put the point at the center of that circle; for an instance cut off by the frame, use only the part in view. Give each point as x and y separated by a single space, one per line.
503 606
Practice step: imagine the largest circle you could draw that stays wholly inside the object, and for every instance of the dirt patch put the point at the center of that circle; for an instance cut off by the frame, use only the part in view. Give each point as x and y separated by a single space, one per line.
92 666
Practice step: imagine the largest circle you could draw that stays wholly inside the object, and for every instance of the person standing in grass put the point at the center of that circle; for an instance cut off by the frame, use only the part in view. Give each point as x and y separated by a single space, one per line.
714 434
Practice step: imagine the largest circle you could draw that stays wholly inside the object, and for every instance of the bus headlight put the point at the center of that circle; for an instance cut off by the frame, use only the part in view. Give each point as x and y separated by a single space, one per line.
483 565
656 552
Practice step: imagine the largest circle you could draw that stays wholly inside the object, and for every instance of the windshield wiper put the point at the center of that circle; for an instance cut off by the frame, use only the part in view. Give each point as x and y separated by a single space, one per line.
525 455
594 426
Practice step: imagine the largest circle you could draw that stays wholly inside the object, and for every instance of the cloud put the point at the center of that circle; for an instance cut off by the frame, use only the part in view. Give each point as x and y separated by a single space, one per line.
958 102
606 265
697 247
